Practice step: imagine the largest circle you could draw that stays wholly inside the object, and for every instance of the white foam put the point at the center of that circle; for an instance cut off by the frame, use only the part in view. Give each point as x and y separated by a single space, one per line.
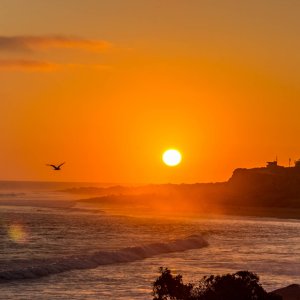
99 258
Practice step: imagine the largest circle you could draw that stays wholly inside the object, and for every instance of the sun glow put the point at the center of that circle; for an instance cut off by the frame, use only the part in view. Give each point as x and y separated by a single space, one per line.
171 157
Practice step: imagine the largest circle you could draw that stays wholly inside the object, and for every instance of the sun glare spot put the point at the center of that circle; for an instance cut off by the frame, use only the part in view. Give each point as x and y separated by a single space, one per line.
171 157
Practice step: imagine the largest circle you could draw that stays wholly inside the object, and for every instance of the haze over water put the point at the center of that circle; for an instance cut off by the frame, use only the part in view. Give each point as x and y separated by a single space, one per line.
54 237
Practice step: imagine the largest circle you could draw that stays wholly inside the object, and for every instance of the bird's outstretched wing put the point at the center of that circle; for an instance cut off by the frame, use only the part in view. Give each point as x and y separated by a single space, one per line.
61 164
51 165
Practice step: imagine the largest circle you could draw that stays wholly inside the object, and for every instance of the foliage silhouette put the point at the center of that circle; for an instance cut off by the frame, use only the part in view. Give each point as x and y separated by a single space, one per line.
167 286
242 285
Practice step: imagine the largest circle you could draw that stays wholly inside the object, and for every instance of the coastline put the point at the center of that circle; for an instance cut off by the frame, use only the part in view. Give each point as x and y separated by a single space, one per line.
167 207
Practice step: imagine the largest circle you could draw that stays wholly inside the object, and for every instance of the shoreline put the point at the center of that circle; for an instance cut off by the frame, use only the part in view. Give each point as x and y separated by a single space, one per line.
148 210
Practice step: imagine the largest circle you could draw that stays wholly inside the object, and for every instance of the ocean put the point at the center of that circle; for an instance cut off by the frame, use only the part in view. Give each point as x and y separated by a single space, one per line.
51 248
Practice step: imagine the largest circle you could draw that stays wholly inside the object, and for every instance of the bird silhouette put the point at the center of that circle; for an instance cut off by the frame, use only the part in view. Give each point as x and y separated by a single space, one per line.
55 168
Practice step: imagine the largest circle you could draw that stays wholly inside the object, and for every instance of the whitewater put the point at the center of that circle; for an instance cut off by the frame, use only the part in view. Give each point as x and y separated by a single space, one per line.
53 249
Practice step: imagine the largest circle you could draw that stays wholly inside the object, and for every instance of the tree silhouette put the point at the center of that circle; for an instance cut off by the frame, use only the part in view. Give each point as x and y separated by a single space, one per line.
242 285
167 286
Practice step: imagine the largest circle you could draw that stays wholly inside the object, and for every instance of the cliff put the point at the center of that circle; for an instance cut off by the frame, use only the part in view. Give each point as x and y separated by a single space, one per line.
271 186
272 191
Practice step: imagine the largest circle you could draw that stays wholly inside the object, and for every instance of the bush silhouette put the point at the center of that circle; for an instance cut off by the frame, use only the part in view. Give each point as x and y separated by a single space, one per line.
167 286
242 285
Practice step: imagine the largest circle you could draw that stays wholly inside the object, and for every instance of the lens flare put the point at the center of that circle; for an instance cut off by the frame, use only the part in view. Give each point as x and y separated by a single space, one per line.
17 234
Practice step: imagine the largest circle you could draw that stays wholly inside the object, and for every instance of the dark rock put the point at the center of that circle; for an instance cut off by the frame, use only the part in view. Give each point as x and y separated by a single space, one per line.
291 292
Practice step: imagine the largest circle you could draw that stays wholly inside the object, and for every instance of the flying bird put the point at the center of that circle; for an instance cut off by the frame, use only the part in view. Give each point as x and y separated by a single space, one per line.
55 168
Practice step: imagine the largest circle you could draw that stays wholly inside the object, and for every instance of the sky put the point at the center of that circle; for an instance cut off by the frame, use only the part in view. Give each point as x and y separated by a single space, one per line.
107 85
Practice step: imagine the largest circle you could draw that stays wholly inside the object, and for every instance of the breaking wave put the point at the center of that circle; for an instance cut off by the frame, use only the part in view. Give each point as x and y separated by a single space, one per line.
99 258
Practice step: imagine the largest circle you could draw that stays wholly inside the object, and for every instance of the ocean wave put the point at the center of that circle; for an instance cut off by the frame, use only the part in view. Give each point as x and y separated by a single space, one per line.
99 258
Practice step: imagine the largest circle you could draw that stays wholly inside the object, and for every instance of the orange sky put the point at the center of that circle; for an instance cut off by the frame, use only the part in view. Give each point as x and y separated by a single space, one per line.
108 85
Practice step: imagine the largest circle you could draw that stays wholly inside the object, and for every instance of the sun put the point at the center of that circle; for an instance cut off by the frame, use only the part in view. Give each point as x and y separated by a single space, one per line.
171 157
